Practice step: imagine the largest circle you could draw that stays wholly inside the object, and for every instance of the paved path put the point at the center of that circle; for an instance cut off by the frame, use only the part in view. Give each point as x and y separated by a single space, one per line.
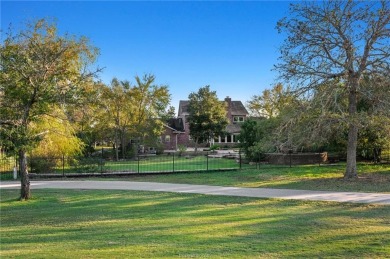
355 197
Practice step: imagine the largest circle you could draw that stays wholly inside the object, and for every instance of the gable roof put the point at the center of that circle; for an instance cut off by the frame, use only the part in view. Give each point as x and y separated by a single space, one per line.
237 108
175 124
183 107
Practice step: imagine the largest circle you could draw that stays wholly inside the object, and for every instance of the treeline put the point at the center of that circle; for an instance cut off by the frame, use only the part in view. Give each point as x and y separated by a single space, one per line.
286 122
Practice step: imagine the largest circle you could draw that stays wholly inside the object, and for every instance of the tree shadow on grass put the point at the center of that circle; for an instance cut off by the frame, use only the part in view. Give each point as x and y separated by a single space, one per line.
174 225
369 182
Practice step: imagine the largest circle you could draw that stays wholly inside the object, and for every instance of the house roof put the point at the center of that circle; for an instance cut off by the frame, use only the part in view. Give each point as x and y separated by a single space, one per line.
183 107
176 124
233 128
237 108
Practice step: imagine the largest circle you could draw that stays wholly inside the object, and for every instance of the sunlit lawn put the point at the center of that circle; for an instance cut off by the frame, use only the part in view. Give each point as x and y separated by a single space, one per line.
372 178
171 163
127 224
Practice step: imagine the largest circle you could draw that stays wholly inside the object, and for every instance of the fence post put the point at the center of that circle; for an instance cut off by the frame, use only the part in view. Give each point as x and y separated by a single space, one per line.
101 161
17 165
138 163
63 165
207 161
240 159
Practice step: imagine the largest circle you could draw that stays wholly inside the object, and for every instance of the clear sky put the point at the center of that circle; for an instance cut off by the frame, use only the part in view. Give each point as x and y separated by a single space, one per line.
231 46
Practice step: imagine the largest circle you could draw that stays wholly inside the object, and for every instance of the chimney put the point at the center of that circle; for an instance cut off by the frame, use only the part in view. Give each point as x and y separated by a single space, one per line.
228 100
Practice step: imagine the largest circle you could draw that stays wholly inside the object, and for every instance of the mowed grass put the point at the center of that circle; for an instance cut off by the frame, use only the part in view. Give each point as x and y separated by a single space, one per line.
372 178
169 163
128 224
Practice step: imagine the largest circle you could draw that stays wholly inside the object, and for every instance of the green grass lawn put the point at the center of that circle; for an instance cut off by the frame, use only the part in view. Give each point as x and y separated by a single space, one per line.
171 163
161 163
372 178
128 224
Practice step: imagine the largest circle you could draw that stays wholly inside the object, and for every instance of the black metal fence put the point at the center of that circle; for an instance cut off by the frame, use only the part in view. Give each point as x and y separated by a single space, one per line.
101 164
145 163
7 167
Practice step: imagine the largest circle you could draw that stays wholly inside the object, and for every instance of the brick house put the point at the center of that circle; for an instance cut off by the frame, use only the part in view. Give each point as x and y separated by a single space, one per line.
177 129
174 134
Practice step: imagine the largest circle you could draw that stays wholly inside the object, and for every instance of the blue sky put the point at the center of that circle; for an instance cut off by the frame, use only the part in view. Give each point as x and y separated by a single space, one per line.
231 46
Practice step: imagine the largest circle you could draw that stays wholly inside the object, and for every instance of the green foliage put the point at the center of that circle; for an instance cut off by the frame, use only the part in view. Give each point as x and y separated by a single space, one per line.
271 103
258 136
40 70
207 115
39 164
182 148
337 44
134 111
59 138
248 137
214 147
87 165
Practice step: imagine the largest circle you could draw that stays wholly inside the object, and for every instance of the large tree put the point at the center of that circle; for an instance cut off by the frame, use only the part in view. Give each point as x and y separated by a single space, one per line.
337 40
39 69
207 115
135 111
118 112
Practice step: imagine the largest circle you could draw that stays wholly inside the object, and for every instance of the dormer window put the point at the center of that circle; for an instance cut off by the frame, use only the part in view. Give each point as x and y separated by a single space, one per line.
237 119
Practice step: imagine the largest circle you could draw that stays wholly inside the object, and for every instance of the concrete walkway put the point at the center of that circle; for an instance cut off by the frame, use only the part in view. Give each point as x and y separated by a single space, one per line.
355 197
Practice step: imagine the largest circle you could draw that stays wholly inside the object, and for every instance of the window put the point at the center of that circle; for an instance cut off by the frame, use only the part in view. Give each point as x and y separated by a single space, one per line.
238 119
229 138
167 138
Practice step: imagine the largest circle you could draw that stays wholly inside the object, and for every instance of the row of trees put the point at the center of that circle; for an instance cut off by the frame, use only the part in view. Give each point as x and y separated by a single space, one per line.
288 122
121 112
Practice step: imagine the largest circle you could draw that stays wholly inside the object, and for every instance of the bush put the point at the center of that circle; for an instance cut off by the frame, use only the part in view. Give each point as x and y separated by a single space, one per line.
182 149
87 165
214 147
43 164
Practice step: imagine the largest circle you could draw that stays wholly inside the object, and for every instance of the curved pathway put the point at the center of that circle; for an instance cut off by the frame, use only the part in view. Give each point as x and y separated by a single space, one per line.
355 197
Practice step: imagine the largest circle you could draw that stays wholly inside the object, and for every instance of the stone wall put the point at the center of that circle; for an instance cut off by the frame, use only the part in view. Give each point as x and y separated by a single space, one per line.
296 158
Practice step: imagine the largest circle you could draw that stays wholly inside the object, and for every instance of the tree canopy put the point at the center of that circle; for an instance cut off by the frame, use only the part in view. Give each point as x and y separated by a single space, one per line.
337 42
134 111
39 69
207 115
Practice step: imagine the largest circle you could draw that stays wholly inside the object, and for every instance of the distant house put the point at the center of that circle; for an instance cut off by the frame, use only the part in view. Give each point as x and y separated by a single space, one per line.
178 133
174 134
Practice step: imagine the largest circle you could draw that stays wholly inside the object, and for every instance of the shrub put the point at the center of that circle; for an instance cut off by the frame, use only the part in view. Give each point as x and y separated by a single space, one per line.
214 147
87 165
43 164
182 149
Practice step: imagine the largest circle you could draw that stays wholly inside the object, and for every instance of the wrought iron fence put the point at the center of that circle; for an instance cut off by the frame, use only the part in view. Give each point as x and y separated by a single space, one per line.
7 167
145 163
101 163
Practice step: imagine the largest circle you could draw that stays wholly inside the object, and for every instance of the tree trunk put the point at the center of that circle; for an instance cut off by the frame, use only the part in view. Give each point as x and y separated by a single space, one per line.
25 193
196 146
116 146
351 170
